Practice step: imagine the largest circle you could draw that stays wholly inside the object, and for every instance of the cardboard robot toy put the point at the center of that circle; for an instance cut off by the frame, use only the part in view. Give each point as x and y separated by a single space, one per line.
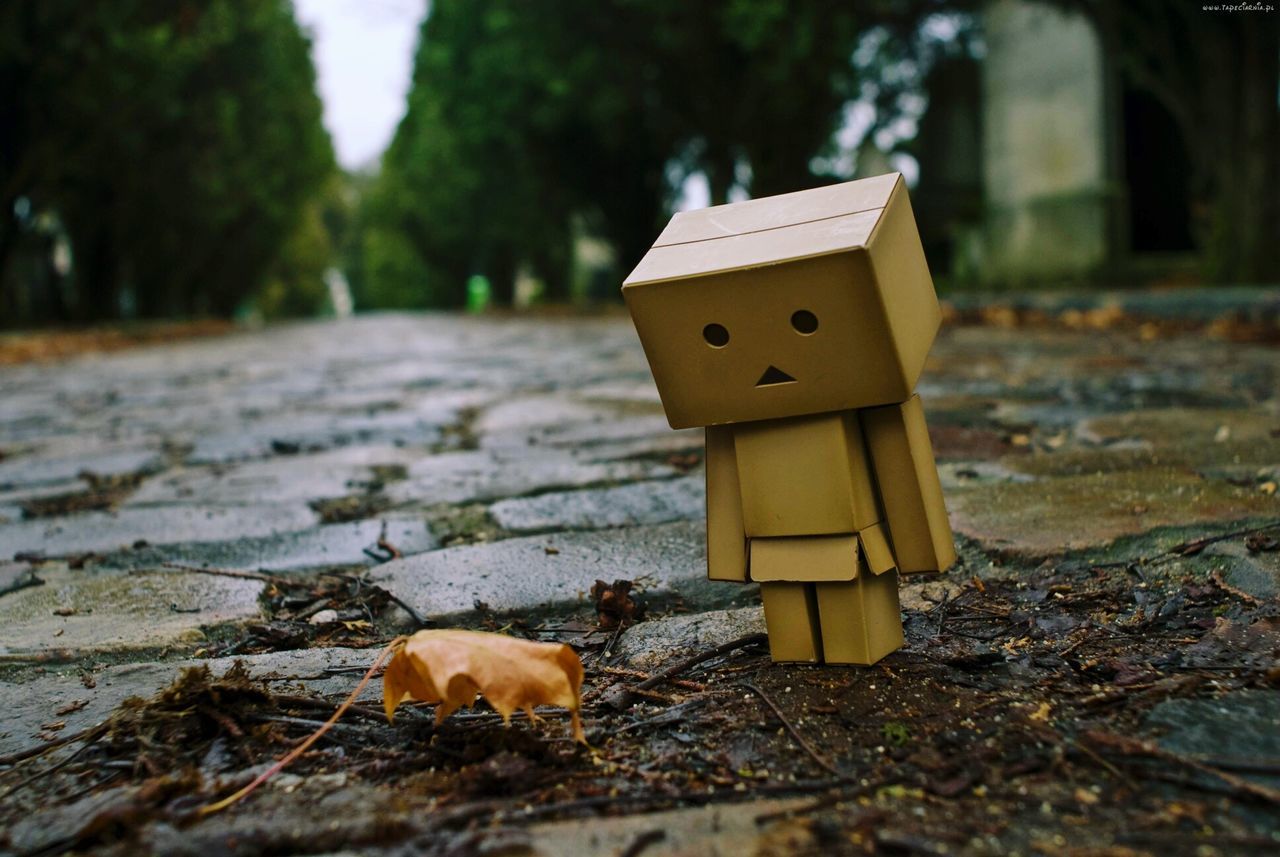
794 328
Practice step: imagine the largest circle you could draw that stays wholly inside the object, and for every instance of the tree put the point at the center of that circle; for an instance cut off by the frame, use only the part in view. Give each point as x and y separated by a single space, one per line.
526 120
178 143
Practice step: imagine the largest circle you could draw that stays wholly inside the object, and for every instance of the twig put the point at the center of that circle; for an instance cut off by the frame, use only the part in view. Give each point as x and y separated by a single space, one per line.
1220 582
641 802
305 745
818 805
49 770
224 572
310 610
285 701
643 841
385 545
1190 548
351 728
675 714
417 617
1133 747
607 651
795 733
1116 772
33 752
24 581
1270 767
622 699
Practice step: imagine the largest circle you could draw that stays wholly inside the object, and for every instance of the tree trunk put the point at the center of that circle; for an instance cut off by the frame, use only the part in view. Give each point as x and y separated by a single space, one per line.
719 168
1245 220
551 265
97 277
501 271
8 297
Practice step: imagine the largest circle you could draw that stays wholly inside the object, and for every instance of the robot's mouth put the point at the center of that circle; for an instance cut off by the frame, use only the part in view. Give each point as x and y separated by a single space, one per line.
773 376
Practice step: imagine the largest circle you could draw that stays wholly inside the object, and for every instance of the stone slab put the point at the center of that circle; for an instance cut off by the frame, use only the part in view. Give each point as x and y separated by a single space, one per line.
1050 516
102 532
650 645
639 503
103 611
310 433
720 830
533 412
479 475
536 572
35 469
1242 726
29 704
329 545
287 478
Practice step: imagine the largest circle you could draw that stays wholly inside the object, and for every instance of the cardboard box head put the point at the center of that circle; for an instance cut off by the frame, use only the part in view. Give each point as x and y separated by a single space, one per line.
802 303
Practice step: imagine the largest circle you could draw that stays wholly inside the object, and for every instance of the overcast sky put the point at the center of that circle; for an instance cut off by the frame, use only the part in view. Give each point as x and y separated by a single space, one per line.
363 50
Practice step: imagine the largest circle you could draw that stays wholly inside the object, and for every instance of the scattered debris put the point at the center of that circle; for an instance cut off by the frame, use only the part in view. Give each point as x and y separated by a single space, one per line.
615 605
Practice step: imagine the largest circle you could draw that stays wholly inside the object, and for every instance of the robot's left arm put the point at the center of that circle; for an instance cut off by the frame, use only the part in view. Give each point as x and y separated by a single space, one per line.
902 457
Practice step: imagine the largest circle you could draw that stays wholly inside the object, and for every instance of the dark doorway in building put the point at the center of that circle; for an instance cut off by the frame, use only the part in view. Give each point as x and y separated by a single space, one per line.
1157 171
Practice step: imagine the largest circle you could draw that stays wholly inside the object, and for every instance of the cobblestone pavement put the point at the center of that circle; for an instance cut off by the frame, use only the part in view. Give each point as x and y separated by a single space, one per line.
499 467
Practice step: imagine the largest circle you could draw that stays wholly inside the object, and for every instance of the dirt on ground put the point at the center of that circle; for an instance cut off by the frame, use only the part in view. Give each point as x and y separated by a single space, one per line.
64 343
1009 723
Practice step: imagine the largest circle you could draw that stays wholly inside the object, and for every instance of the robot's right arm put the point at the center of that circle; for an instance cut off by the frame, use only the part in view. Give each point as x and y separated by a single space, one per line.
726 533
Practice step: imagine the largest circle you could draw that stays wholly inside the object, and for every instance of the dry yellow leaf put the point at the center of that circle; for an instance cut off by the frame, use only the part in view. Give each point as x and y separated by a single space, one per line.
451 667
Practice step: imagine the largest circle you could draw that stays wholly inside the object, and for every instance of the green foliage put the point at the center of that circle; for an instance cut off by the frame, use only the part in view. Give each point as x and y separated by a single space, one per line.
295 286
529 123
178 142
896 733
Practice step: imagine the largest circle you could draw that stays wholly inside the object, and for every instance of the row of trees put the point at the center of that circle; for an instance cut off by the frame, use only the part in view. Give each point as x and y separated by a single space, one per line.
176 146
529 123
166 157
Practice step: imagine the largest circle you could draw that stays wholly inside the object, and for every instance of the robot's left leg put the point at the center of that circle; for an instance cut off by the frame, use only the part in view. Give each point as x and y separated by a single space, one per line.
861 621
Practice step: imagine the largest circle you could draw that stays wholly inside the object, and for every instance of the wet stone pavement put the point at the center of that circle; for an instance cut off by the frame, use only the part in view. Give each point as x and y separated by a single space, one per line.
291 498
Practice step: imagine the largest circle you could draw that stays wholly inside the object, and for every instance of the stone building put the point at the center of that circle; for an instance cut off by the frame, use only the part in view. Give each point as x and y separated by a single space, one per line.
1040 165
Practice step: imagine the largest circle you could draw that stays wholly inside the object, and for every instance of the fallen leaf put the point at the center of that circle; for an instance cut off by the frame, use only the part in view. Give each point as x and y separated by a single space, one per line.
450 667
1041 714
614 604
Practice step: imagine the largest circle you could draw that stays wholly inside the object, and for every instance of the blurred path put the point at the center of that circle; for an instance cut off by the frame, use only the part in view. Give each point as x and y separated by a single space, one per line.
504 466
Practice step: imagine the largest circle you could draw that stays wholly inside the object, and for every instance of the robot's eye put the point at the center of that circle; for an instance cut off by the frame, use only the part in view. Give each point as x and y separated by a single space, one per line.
716 335
804 321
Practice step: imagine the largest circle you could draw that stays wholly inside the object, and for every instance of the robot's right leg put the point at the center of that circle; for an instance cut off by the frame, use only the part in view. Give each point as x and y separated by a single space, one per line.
791 616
